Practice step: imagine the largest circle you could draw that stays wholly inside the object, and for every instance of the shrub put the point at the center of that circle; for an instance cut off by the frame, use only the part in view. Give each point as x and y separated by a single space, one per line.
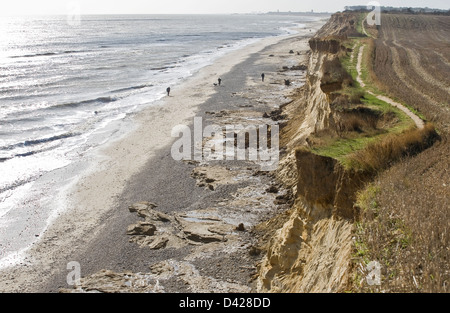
381 154
356 96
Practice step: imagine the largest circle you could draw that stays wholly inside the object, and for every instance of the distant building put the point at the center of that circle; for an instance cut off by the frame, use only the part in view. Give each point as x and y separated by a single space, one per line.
363 8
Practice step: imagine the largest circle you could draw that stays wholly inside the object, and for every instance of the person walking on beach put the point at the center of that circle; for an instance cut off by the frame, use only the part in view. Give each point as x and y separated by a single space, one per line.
262 76
220 81
168 91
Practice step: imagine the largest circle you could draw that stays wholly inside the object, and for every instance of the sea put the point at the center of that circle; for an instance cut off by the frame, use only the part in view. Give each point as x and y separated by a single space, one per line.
65 82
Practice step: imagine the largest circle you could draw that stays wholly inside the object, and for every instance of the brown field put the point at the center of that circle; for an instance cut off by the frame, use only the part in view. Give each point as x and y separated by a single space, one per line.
405 223
412 60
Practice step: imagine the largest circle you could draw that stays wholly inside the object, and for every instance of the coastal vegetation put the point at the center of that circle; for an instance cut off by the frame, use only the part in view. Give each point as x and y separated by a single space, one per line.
404 211
372 173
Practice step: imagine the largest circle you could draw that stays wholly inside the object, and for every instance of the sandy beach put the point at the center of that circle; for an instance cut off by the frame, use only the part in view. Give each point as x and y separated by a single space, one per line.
137 167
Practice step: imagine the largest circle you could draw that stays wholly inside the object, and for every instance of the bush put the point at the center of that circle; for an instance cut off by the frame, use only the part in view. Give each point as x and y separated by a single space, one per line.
356 96
381 154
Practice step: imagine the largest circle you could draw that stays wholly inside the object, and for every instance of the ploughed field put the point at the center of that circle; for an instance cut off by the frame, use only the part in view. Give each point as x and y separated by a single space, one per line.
412 61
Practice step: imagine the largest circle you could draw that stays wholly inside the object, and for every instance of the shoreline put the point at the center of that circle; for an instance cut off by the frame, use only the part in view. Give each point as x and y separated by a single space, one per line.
98 195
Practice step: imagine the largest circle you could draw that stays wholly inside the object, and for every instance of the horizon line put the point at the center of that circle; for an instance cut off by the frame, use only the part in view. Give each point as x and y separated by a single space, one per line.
233 13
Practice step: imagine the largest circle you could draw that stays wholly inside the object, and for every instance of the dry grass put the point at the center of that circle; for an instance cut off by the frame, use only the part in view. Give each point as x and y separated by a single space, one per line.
358 119
381 154
404 225
405 212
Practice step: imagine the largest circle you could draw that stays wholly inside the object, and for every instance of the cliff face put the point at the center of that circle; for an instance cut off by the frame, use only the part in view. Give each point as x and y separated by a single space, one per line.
311 251
312 112
324 183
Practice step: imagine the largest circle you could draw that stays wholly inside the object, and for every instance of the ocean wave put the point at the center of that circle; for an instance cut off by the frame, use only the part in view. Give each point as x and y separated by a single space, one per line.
163 68
17 184
84 102
34 142
132 88
47 54
33 55
189 35
25 118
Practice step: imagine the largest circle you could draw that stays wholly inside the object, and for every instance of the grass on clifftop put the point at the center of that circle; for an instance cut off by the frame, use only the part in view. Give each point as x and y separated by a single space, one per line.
349 147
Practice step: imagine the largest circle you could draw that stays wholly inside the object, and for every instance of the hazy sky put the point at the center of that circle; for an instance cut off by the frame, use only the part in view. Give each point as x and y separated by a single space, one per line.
16 7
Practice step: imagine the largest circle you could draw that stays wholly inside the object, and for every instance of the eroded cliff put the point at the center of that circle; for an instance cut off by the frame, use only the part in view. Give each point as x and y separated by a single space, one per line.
311 252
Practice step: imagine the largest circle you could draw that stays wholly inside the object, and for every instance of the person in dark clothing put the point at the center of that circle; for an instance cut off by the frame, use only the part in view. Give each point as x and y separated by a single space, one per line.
220 81
168 91
262 76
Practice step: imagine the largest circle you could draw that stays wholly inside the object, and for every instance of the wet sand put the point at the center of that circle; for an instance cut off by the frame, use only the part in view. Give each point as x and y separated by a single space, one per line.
139 167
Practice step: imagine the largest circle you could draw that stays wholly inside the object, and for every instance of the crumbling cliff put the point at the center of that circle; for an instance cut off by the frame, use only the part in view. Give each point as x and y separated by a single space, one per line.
311 252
